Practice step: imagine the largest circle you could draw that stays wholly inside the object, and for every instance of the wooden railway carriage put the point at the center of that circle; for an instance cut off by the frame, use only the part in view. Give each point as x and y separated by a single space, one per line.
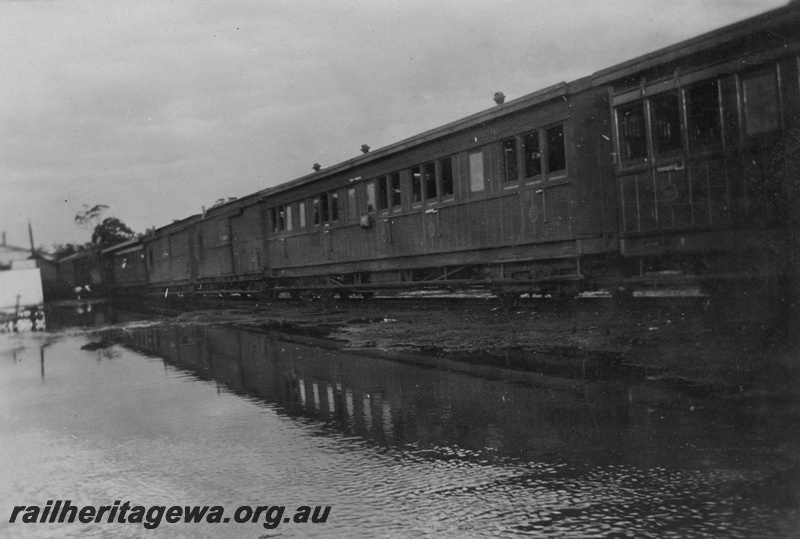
169 255
706 146
514 199
684 162
248 231
82 274
221 250
229 246
126 263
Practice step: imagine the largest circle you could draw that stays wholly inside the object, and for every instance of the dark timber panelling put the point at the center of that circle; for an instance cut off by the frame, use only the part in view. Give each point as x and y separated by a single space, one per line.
248 241
214 248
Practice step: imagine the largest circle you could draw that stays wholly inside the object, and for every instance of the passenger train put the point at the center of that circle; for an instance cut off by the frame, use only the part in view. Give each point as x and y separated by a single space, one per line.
680 166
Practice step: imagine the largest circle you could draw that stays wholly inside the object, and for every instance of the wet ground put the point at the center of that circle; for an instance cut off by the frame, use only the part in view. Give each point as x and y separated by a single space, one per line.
687 342
650 422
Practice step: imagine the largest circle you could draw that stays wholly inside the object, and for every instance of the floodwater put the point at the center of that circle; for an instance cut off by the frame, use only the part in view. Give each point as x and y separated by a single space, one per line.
163 414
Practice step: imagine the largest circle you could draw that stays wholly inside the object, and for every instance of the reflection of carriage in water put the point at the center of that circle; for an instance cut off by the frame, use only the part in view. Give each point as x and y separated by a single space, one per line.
677 167
383 401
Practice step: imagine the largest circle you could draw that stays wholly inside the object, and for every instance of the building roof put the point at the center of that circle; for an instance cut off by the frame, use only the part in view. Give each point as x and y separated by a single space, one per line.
5 248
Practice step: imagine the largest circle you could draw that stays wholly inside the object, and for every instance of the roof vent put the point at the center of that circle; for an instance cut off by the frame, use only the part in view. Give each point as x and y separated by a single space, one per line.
316 167
364 148
499 98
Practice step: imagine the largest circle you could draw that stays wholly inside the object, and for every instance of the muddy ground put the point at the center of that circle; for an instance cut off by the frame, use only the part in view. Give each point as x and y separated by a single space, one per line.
701 346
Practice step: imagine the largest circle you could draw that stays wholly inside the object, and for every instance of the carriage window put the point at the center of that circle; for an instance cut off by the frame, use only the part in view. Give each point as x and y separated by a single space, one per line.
302 214
277 219
324 208
448 186
476 179
416 185
429 180
383 193
510 159
394 181
371 197
633 145
334 206
288 220
352 208
556 150
533 155
703 112
760 103
666 123
316 210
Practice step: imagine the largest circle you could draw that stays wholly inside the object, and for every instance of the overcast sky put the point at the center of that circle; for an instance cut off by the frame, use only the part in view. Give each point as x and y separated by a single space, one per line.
156 108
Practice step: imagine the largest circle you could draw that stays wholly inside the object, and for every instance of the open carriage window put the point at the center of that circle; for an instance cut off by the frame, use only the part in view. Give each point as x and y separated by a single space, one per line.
510 160
533 155
666 110
556 151
760 92
416 185
334 206
383 193
324 208
632 139
277 219
545 154
448 185
396 193
352 206
704 113
316 210
429 181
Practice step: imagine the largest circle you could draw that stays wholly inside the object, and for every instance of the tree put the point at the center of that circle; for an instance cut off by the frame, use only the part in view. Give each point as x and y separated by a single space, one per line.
111 231
105 232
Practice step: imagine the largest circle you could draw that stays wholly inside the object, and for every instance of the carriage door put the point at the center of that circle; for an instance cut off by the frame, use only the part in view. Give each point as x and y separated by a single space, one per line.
652 163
